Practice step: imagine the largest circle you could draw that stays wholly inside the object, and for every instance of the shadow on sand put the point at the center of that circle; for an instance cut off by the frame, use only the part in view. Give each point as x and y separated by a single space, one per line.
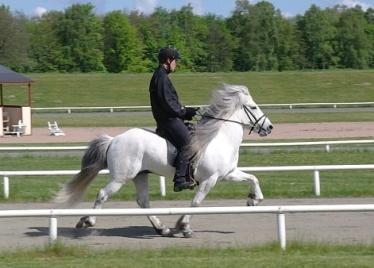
138 232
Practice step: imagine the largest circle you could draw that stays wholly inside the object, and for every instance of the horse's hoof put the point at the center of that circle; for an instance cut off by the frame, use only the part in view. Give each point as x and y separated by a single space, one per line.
84 223
187 233
253 202
166 232
79 225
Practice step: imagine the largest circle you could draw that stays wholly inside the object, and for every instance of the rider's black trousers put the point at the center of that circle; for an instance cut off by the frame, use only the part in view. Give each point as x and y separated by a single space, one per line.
178 134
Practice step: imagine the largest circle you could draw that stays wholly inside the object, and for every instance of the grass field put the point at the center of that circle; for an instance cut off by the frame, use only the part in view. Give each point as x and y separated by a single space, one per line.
274 184
102 89
296 255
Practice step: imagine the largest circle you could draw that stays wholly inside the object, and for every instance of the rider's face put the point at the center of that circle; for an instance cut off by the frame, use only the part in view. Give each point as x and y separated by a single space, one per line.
173 65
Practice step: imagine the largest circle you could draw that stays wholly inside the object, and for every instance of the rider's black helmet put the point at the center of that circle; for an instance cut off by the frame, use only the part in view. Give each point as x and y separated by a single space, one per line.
168 52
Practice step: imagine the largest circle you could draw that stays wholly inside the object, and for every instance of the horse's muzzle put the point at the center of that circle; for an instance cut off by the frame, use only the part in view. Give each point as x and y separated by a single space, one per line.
266 131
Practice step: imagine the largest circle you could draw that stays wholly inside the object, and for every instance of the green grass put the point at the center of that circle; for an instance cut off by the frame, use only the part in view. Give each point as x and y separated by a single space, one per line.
274 184
295 117
93 120
297 255
102 89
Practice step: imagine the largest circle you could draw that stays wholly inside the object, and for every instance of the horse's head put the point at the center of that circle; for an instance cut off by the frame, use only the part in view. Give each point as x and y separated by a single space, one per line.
252 115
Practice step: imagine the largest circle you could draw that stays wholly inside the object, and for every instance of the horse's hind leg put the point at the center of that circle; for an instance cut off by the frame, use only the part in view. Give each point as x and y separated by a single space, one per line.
103 195
141 184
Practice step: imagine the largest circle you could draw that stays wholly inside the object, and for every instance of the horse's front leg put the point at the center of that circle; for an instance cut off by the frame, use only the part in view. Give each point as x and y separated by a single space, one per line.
183 224
255 196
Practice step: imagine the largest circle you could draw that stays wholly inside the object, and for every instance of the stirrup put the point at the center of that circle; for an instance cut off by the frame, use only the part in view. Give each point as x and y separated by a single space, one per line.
190 185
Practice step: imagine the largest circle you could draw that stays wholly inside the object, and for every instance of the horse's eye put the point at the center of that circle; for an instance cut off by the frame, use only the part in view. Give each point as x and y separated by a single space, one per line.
253 107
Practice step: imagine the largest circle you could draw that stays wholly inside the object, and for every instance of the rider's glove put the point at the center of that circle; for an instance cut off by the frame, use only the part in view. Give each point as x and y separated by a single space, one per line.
190 112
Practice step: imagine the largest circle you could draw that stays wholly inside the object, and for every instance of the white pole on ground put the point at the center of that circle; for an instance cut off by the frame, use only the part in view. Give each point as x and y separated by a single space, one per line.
281 222
317 187
6 187
52 230
162 186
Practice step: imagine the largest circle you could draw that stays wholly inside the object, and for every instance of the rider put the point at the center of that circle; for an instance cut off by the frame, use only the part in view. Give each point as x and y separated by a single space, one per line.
169 114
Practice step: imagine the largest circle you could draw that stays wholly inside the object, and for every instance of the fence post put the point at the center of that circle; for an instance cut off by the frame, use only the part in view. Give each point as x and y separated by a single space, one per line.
52 230
327 148
281 222
317 188
162 186
6 187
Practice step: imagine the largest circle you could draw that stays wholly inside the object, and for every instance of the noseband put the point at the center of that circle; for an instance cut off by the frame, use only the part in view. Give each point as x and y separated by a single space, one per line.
255 121
252 118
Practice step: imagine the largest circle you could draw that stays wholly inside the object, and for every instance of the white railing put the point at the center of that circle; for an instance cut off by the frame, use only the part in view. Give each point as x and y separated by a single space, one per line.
148 108
6 174
280 211
327 145
316 169
316 175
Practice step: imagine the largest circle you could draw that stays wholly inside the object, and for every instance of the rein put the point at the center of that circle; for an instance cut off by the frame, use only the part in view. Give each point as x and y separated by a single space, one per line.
248 113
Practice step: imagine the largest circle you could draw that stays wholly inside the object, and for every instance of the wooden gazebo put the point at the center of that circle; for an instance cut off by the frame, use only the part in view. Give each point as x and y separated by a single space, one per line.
13 115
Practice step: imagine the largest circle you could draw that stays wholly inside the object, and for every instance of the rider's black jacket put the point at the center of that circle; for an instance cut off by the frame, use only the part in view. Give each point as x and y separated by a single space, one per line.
164 98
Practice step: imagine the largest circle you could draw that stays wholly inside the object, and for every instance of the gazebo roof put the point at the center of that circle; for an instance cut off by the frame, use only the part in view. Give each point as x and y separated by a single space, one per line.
9 76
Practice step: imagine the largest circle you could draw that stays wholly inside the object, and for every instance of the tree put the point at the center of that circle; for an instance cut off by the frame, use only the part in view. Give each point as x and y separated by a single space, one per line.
122 50
147 36
369 15
288 48
80 34
317 33
46 50
220 46
193 32
256 28
353 40
256 37
14 40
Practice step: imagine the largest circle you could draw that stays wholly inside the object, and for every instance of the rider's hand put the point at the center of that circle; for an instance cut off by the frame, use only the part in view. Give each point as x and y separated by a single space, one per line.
190 112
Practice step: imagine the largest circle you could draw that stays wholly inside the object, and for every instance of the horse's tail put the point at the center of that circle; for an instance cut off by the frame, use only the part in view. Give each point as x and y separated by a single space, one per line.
94 160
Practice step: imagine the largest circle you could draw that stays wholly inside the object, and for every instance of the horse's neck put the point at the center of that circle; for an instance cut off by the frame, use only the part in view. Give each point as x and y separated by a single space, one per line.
233 131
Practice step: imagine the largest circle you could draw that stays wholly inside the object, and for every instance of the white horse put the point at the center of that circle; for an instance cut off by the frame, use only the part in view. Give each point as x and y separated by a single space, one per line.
138 152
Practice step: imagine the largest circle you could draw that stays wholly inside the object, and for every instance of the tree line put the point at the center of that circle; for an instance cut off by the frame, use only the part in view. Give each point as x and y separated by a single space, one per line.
256 37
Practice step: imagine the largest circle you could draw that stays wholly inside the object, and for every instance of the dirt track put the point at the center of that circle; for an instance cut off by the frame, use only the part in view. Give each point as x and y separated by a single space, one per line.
281 131
210 230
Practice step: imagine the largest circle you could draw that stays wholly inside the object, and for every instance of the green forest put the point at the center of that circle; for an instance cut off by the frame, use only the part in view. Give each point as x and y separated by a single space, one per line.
256 37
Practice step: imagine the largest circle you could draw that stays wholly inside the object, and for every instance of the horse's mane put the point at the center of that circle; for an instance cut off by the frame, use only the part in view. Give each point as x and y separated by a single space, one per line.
224 102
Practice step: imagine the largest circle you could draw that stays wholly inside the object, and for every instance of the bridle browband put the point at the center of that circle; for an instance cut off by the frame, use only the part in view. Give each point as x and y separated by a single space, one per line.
253 122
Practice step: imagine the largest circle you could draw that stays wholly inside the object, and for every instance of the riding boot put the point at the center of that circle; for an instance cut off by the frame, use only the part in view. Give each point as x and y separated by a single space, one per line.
180 180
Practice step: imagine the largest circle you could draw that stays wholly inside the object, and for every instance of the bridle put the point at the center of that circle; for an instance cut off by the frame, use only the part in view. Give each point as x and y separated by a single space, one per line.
252 118
255 121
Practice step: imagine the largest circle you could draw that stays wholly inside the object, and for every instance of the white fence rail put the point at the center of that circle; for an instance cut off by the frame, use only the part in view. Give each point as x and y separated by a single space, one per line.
327 145
280 211
315 168
269 105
